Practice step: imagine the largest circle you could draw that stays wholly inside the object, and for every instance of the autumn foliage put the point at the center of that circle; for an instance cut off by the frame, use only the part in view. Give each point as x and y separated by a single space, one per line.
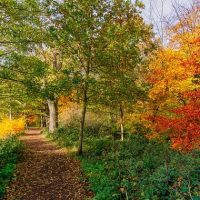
185 127
174 106
10 127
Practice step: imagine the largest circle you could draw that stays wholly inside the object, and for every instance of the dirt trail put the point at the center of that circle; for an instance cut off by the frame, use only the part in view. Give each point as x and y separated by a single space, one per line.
46 173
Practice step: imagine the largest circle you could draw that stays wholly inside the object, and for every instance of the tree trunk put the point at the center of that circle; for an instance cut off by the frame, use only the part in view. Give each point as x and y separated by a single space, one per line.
56 106
41 121
46 115
82 124
84 108
52 116
122 122
10 113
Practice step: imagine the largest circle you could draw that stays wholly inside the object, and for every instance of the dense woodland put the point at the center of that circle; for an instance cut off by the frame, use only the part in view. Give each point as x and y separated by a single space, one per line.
100 81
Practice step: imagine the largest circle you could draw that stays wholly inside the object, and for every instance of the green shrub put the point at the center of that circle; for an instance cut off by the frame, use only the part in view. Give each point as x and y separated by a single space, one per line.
136 168
65 136
10 149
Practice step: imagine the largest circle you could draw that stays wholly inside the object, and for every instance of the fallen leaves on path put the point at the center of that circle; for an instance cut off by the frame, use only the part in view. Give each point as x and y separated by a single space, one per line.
46 173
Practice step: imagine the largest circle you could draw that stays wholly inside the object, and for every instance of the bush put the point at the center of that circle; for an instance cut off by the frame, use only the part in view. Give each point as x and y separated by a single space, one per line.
10 149
137 168
11 127
65 136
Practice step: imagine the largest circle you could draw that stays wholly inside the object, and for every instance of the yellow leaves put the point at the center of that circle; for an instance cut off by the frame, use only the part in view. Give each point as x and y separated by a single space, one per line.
184 85
136 117
8 127
158 89
169 75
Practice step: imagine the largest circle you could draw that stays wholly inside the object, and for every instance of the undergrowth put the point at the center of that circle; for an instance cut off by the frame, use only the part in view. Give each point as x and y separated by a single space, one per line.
10 150
136 169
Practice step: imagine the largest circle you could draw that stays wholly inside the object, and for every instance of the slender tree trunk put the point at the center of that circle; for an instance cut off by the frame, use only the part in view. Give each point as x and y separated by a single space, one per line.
10 113
56 106
84 110
41 121
82 124
45 121
122 122
46 115
52 116
53 105
84 107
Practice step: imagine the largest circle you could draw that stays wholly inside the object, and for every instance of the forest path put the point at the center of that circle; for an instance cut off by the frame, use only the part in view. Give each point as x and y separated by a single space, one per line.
46 172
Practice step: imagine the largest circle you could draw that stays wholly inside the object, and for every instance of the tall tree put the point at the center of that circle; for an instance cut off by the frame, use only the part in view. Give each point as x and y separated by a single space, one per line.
123 60
35 60
100 35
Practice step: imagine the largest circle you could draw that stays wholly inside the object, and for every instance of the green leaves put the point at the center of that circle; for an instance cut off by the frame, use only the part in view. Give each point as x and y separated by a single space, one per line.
10 150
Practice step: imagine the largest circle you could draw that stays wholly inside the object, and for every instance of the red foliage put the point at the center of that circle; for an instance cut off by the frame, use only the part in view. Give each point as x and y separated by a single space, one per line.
185 128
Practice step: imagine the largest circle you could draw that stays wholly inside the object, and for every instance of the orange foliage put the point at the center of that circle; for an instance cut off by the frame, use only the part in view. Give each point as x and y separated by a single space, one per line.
175 93
32 119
